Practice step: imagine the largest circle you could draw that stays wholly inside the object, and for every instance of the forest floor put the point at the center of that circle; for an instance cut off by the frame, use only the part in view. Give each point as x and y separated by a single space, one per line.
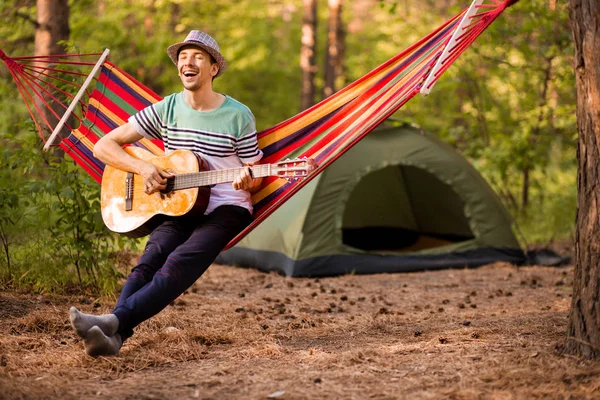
493 332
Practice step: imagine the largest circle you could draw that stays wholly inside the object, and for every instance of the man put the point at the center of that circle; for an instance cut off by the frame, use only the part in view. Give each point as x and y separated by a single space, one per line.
222 131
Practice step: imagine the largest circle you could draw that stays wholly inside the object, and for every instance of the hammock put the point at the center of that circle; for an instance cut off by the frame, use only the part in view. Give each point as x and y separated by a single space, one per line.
323 132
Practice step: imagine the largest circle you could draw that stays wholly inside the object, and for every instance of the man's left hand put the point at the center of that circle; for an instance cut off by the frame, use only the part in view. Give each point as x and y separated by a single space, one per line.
244 180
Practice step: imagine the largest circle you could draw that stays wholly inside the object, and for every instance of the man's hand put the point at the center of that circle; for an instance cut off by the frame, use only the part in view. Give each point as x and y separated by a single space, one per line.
245 181
109 150
155 179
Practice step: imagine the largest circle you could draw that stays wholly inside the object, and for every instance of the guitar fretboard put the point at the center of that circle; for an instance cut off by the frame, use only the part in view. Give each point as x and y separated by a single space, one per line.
209 178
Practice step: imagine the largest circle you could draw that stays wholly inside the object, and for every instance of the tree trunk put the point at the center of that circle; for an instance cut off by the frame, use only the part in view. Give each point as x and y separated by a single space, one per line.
155 72
307 54
535 133
525 190
52 27
5 244
101 6
175 10
583 332
335 48
149 19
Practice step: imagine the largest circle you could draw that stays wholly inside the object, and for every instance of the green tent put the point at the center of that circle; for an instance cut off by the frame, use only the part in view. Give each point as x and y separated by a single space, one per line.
400 200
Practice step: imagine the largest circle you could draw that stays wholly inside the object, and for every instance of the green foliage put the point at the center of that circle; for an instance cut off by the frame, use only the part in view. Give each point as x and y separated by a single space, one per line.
261 43
78 235
551 216
507 104
51 230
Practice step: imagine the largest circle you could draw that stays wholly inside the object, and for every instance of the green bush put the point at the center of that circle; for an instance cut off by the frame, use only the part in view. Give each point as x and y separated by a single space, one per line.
51 230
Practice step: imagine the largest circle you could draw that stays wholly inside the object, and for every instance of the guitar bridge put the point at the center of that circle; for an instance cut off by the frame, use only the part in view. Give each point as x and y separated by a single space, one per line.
129 191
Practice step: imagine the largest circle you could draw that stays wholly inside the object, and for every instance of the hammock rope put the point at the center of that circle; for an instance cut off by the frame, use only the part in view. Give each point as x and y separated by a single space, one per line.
46 83
324 132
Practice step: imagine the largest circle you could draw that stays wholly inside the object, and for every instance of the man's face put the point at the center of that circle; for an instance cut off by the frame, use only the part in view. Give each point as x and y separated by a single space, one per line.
195 68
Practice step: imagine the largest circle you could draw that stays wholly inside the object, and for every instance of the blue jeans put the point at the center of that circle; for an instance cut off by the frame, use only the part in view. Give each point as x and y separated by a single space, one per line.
176 255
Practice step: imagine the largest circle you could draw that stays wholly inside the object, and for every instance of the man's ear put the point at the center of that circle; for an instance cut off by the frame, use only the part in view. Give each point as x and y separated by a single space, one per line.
214 69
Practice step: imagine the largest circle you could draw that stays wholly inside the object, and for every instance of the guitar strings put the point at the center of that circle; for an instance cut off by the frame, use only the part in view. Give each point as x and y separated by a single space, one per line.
207 178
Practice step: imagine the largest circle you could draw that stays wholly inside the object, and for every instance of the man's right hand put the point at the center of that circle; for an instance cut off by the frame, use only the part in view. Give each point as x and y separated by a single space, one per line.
109 150
155 179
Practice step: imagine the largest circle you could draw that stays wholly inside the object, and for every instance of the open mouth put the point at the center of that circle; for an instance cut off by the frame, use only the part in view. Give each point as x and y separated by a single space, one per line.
189 74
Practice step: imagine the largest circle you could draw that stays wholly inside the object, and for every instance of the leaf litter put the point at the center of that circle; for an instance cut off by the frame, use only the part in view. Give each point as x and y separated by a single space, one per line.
244 334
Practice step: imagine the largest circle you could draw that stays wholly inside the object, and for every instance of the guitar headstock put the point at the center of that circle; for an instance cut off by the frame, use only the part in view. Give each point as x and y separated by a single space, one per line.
295 169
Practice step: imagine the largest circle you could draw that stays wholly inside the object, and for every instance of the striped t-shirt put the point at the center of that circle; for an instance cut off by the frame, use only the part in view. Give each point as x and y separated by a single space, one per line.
225 138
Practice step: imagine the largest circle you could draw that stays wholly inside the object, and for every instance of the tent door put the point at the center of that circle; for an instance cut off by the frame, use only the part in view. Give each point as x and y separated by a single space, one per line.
403 209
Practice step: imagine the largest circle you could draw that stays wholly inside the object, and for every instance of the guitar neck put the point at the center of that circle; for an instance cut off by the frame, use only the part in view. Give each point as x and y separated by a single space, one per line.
209 178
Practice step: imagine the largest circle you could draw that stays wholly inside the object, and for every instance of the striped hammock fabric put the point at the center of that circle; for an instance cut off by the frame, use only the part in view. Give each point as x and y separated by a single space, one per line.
117 96
323 132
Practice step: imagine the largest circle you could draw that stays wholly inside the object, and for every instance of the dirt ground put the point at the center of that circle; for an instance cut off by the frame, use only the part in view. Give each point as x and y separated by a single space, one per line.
488 333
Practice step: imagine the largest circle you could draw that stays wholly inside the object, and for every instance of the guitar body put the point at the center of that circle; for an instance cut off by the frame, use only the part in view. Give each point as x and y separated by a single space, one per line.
129 210
143 212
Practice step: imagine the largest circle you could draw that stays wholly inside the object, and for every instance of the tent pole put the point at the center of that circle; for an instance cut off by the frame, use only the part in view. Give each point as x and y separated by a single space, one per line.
76 99
466 20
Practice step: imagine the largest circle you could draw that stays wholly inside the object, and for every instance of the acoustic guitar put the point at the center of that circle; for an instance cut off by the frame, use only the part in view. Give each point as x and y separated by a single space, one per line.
129 210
